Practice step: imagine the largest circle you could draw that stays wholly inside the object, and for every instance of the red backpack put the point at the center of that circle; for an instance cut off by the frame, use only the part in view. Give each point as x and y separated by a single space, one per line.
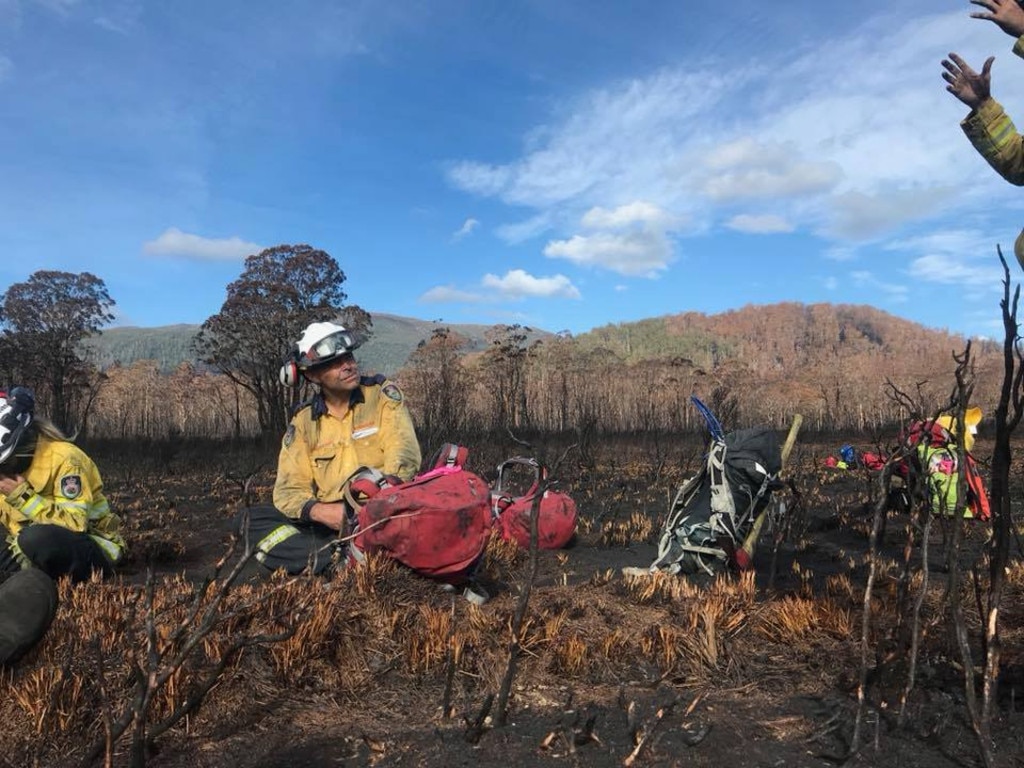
437 524
926 435
556 520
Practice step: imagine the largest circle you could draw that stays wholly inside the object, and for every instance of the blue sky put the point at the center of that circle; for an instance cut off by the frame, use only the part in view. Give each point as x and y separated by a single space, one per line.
558 163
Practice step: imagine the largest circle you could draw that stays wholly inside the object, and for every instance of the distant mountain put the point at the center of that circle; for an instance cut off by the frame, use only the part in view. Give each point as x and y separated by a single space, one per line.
798 341
393 339
782 336
167 345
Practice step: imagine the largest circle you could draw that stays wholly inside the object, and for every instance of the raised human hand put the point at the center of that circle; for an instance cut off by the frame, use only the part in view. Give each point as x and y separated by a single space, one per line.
972 88
1008 15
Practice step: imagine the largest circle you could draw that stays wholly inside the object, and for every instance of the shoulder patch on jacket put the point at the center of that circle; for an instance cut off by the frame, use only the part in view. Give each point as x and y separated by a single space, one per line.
392 392
289 435
71 486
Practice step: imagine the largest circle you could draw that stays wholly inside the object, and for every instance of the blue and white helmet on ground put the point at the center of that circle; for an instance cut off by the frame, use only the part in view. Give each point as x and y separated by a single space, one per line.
17 412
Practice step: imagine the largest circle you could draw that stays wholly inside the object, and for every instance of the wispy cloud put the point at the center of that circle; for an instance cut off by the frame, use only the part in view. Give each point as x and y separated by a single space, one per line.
174 242
856 215
514 285
62 7
6 67
467 228
520 231
122 17
849 156
962 257
442 294
894 291
637 212
760 224
840 253
942 268
750 169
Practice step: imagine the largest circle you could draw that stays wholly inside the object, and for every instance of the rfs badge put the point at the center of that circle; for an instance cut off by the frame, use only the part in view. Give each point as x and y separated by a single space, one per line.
71 486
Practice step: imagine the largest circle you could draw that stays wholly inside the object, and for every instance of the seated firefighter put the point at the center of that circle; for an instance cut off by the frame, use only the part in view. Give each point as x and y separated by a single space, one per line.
351 422
52 507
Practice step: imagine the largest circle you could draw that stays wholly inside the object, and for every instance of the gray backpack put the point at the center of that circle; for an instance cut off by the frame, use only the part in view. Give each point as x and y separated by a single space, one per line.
713 512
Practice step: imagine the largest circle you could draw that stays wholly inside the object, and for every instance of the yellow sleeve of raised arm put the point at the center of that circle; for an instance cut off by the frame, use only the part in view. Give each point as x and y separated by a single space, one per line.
995 137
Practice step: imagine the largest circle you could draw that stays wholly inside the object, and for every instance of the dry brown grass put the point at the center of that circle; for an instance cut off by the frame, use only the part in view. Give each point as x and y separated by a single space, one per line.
639 527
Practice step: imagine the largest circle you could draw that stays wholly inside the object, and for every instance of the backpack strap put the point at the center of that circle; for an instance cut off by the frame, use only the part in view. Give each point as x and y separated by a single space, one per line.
721 497
540 472
362 485
448 455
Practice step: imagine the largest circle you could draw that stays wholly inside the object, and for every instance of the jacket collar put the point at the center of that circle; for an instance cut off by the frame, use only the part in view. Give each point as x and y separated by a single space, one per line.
319 405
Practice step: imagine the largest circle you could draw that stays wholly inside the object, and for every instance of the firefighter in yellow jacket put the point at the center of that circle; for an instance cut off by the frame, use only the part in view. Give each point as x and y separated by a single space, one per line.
987 126
352 421
52 507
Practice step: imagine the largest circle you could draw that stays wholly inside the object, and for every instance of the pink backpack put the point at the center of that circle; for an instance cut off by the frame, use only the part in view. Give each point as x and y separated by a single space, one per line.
437 524
556 520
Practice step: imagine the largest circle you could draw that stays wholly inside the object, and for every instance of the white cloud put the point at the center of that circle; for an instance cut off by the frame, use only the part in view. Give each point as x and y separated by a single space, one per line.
466 229
895 291
62 7
840 253
643 253
518 284
830 283
746 168
515 285
848 153
484 180
965 243
448 293
856 215
634 241
963 257
174 242
524 230
942 268
122 17
638 212
764 224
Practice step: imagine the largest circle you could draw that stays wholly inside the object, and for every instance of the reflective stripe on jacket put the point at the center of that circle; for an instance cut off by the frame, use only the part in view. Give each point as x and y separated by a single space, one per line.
320 452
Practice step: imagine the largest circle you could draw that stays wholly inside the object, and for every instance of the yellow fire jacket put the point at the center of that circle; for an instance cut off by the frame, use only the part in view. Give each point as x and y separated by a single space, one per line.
995 137
63 487
320 452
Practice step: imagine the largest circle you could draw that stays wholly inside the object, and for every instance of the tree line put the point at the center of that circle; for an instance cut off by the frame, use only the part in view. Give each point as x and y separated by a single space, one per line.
835 365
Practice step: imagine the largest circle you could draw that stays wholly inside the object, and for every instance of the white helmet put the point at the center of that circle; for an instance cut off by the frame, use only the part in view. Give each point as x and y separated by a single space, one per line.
17 411
320 344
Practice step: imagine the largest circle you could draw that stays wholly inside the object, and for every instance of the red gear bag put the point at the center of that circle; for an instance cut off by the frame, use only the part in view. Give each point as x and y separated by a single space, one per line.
556 519
437 524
